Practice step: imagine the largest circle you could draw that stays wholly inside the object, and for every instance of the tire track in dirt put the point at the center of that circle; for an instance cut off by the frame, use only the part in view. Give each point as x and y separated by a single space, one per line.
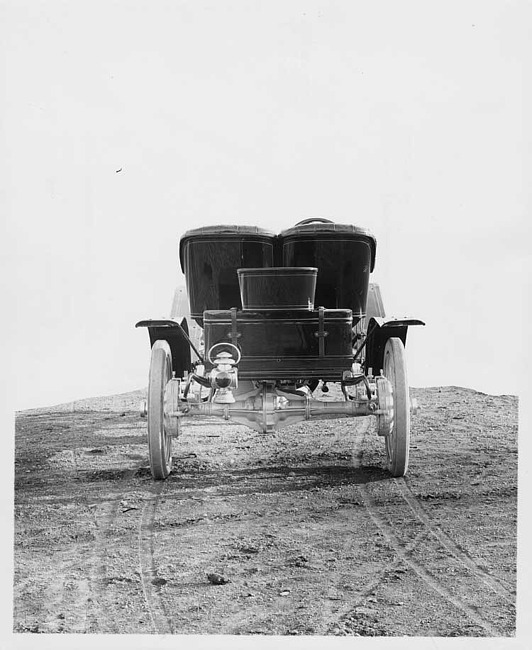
331 618
66 597
483 576
422 572
64 602
64 593
337 616
161 622
404 551
327 613
104 517
92 598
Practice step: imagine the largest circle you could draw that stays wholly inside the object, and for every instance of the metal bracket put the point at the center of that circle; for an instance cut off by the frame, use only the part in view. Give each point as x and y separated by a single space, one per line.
234 335
321 333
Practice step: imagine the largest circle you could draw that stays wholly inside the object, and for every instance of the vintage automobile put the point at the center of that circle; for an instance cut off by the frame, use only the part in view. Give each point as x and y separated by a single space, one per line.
270 318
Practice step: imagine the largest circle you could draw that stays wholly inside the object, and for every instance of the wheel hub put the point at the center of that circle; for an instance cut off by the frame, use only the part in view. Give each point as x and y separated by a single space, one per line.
385 398
171 407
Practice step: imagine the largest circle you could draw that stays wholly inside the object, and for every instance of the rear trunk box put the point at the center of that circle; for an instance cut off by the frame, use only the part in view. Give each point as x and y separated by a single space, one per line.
285 344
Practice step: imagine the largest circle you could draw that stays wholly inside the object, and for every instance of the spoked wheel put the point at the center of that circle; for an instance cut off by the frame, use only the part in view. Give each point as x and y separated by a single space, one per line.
398 442
159 439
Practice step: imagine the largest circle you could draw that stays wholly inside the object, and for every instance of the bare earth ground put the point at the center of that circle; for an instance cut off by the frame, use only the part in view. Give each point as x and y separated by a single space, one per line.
311 534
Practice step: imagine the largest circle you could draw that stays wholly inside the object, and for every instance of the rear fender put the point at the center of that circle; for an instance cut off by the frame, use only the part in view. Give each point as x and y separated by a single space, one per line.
379 331
173 331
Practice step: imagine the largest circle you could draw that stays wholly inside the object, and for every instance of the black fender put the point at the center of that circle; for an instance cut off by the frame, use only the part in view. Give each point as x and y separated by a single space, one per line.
378 332
175 332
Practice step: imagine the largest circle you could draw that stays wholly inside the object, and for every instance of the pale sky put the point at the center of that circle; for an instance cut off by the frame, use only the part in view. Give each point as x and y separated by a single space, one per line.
406 118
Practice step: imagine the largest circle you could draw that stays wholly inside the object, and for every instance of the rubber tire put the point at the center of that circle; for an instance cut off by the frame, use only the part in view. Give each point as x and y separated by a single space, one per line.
159 442
398 442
